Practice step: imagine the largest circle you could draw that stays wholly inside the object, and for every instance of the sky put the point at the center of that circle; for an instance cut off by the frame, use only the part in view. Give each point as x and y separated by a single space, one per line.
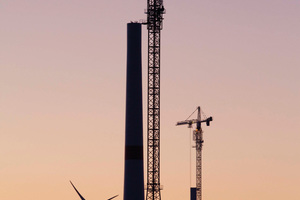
62 97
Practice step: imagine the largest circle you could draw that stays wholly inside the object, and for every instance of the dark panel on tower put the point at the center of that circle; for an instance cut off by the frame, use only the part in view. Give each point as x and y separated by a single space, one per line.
134 164
193 193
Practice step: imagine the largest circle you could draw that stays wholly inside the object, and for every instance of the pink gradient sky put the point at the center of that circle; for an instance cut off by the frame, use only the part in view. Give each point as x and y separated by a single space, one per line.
62 103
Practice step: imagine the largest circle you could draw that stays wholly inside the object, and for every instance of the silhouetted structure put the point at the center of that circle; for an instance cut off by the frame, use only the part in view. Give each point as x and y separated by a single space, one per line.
198 138
193 193
155 11
81 197
134 166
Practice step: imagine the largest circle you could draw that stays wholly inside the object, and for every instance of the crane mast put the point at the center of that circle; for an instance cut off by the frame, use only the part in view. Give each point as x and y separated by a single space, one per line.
198 138
155 11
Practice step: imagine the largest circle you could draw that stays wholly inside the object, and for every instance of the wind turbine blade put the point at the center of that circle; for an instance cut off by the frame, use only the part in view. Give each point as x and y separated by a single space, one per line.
77 191
112 197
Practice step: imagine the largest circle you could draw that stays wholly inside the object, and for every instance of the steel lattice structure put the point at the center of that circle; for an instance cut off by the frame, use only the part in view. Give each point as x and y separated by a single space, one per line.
198 138
155 11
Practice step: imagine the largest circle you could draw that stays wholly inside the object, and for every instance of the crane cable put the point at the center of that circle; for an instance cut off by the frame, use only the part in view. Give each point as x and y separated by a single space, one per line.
203 114
190 157
192 114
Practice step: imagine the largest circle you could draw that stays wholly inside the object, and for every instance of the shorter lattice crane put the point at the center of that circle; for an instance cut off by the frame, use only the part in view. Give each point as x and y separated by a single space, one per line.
198 138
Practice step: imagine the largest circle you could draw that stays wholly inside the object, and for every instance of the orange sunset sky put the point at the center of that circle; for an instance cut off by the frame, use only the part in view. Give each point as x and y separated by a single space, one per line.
62 97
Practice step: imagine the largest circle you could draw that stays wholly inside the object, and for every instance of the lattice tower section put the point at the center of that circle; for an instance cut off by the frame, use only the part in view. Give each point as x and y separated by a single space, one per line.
155 11
198 137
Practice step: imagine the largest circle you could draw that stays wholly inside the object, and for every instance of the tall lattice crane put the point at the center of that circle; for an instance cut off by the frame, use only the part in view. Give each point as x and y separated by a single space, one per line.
198 138
155 11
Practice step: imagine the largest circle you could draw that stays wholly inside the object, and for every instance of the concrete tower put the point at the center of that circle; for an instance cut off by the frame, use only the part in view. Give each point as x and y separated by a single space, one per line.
134 163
